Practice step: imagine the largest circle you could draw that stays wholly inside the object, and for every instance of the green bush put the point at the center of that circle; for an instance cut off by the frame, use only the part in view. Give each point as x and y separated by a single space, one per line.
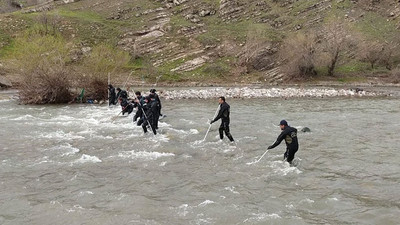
40 61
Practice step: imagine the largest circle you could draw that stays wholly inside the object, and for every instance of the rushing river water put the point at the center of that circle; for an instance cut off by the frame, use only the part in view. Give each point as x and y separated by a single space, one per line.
71 164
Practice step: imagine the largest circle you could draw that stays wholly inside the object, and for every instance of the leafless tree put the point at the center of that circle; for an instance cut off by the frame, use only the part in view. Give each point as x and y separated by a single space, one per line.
336 40
390 54
371 51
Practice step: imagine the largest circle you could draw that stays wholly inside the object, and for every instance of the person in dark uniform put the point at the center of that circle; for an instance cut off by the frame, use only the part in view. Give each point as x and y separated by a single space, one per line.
223 114
155 96
112 98
127 107
289 134
138 103
122 94
150 114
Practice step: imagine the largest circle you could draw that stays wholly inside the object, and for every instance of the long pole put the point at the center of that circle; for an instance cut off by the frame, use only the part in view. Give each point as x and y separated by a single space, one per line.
115 117
123 86
262 156
108 90
209 127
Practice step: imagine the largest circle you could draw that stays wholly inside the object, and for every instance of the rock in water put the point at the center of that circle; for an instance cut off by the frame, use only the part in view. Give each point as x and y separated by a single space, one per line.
305 129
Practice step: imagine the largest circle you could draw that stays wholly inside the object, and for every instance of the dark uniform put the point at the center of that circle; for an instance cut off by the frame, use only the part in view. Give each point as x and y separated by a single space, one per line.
127 107
112 98
139 111
223 114
121 94
289 134
150 114
154 96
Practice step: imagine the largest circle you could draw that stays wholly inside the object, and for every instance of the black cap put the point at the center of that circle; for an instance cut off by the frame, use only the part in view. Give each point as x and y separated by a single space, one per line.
283 122
153 90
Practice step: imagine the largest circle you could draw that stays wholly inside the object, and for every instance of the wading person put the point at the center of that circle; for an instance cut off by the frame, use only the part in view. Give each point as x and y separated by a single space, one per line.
289 134
126 106
153 94
138 104
150 114
223 114
112 97
122 94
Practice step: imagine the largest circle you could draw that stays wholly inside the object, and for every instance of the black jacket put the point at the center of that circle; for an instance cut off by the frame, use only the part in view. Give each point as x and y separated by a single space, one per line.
151 109
155 96
289 134
223 114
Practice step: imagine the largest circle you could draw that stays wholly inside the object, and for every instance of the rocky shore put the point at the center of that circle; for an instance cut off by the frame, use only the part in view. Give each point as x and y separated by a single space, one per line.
275 92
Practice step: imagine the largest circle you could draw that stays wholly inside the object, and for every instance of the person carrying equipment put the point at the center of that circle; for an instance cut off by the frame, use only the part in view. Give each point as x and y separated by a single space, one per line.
289 134
223 114
155 96
138 103
150 114
122 94
127 107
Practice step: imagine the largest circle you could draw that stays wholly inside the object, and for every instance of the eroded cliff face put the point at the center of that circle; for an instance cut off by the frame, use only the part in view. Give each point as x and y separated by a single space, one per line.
225 39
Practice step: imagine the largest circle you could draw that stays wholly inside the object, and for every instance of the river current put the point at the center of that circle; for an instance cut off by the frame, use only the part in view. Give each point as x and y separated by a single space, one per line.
75 164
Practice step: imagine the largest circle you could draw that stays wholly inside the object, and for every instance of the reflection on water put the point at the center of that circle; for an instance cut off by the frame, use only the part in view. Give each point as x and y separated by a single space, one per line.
71 164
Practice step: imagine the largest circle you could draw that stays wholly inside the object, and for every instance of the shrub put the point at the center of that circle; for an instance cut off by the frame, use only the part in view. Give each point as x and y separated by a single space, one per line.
103 60
299 55
41 63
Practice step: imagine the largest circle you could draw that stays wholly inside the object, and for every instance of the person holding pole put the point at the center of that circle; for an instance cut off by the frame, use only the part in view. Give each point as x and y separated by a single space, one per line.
138 103
223 114
150 114
290 135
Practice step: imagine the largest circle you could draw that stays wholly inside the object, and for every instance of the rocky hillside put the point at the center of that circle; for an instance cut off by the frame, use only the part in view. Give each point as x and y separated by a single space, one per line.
204 41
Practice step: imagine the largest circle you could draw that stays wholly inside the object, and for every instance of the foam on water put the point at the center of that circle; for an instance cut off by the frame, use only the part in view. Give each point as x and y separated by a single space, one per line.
143 155
257 217
283 168
65 148
88 159
231 189
25 117
59 134
206 202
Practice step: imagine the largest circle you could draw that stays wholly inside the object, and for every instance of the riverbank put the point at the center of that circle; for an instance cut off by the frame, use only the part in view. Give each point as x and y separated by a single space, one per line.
255 91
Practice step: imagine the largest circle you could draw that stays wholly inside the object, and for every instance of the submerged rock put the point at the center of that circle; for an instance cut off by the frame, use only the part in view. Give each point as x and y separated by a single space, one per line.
305 129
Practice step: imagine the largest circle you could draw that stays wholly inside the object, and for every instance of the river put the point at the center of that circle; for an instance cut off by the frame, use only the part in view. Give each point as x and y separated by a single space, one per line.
72 164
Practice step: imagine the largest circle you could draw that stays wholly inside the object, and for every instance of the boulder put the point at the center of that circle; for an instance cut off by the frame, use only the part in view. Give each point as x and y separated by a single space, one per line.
4 82
305 129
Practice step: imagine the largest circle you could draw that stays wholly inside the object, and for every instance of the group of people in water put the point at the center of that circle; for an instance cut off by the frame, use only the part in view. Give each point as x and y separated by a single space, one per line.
148 112
148 108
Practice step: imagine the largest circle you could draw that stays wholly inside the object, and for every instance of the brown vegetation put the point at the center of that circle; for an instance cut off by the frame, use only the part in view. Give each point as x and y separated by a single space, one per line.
299 55
41 62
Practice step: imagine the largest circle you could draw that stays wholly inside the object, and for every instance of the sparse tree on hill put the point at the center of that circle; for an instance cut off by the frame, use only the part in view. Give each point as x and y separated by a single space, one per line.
335 40
371 52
